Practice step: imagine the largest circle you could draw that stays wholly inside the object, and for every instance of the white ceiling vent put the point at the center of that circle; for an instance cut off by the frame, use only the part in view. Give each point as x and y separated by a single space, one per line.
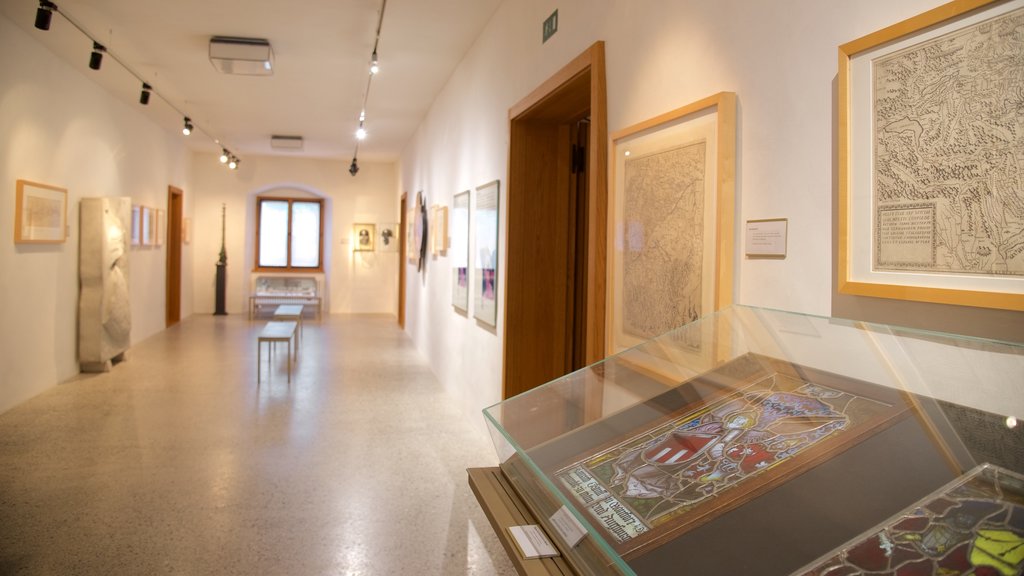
286 142
245 56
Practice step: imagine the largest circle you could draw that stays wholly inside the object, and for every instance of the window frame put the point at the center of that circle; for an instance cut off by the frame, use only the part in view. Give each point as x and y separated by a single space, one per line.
288 267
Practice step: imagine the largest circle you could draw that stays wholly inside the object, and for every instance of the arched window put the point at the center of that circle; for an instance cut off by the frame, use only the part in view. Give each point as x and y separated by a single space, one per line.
289 234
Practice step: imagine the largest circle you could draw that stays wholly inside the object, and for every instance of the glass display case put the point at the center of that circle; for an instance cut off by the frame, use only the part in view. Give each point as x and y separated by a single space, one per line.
756 441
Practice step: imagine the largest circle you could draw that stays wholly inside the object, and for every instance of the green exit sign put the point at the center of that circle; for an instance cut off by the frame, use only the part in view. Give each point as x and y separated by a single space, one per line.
550 26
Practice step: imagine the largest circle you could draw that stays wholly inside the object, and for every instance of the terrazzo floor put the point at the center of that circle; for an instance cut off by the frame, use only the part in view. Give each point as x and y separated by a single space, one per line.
178 462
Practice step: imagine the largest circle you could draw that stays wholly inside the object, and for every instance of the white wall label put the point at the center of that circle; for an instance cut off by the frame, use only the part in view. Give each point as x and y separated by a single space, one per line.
766 238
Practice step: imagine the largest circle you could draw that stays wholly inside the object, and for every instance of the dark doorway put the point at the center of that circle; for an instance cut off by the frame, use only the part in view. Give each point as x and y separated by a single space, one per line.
557 226
175 202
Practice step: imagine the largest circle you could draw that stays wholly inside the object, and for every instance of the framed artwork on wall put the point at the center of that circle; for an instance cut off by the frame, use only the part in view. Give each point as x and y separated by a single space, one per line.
439 230
931 158
460 251
671 219
411 250
388 237
363 236
136 225
186 231
485 258
40 213
421 232
148 227
159 227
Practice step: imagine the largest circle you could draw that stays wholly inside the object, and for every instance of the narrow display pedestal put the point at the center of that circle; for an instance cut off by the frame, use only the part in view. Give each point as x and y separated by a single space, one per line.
504 508
220 308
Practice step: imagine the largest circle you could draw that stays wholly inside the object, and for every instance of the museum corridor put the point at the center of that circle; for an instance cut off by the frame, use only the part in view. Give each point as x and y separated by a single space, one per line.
177 462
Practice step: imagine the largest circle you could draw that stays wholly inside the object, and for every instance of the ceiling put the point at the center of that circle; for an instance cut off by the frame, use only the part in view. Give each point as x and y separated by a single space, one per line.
322 51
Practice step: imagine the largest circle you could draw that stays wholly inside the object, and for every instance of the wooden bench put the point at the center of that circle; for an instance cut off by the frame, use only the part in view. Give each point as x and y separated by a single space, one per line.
272 333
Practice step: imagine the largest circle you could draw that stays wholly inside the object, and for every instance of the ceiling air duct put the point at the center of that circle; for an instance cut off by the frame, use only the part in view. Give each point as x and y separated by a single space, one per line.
286 142
245 56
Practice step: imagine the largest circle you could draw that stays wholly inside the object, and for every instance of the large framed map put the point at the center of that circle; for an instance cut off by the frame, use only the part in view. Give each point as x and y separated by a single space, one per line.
931 158
671 220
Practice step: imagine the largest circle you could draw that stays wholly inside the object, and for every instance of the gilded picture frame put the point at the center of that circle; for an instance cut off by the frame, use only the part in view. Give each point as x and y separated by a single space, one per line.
364 237
926 184
40 213
671 220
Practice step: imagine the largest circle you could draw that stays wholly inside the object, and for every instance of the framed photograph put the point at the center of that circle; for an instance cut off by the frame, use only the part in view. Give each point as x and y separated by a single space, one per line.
931 150
671 219
460 251
186 231
148 226
40 213
485 291
364 236
159 227
388 237
136 225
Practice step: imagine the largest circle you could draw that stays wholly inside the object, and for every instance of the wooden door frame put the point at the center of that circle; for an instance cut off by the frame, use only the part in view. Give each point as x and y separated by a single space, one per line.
175 209
403 203
571 93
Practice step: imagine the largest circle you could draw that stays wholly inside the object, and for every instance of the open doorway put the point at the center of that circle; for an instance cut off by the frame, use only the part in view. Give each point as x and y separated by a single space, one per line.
556 239
175 202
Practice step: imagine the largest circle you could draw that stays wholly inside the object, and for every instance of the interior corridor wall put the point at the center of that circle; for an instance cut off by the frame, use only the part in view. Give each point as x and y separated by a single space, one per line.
58 127
358 282
779 57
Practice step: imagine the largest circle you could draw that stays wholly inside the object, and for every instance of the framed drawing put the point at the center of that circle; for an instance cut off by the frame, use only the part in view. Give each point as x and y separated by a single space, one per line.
159 228
931 158
364 236
460 251
439 230
136 225
148 228
411 250
186 231
485 267
671 219
40 213
389 237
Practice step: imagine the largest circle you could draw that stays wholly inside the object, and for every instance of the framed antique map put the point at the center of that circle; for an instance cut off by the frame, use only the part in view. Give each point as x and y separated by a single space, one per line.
931 158
974 525
671 220
709 458
460 251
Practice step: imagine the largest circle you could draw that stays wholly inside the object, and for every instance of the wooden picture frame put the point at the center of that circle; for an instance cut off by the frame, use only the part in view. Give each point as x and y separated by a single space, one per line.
460 251
671 266
923 191
40 213
364 237
485 258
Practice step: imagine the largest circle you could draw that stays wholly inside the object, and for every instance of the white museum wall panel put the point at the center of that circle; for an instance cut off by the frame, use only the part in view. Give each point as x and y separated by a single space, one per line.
58 127
780 60
356 282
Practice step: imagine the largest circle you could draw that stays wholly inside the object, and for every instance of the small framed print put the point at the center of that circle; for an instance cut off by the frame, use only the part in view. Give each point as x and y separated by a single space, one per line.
41 213
365 237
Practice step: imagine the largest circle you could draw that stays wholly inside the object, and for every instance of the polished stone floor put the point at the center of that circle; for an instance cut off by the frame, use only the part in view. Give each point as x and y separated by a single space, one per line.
178 462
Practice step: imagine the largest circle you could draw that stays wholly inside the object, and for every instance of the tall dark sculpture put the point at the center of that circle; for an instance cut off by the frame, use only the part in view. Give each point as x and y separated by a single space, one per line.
222 268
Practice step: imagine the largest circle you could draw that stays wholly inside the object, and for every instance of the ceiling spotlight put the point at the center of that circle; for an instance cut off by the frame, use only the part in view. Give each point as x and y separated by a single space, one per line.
233 163
353 168
144 96
44 14
361 133
223 155
96 59
374 64
187 129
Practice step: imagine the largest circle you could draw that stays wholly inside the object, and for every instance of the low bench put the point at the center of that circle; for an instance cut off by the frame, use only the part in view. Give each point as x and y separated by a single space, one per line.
268 290
272 333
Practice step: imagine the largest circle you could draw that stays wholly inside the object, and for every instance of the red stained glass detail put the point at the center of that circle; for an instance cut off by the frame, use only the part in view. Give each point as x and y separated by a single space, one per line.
912 524
940 505
869 555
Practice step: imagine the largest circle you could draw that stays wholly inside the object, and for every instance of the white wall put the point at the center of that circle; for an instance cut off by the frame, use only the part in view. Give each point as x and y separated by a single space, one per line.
58 127
779 57
358 282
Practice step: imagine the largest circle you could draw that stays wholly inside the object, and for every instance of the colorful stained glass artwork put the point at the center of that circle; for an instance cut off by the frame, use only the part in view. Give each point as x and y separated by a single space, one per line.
973 527
659 475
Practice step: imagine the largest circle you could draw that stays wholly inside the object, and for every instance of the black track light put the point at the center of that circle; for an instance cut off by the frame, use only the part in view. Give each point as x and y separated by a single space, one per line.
224 156
144 95
96 59
353 168
233 163
374 63
187 129
44 14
